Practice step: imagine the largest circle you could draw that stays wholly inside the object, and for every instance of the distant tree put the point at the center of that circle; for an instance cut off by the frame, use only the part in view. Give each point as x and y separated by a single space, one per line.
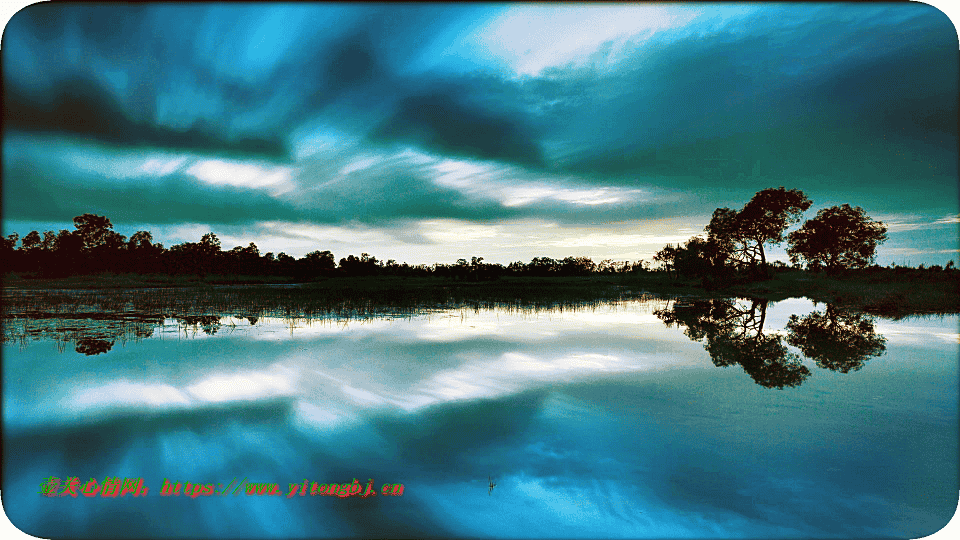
68 244
543 266
49 241
93 230
8 254
318 262
286 265
142 254
700 258
32 241
251 250
269 263
838 238
667 257
763 220
210 244
697 258
517 268
365 265
140 240
577 266
10 242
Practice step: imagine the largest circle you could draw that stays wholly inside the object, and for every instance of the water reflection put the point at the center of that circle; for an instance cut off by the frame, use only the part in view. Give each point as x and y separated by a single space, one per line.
92 346
598 420
734 336
733 330
837 339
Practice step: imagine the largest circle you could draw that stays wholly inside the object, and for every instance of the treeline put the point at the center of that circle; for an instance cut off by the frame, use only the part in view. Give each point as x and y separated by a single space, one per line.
837 240
94 247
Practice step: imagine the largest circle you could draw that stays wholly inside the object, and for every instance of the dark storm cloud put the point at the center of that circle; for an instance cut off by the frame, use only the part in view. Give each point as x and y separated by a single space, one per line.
243 110
758 100
168 200
77 44
83 108
483 116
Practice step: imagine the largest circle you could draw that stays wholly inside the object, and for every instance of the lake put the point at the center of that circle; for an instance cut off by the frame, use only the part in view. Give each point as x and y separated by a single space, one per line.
644 417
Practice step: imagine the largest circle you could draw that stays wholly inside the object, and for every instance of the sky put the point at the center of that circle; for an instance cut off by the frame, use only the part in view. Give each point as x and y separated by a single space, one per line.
431 132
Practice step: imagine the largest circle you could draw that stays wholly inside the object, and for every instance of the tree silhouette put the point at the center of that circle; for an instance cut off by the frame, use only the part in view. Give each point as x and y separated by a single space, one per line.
92 346
668 258
8 253
734 335
93 230
838 238
318 263
762 220
838 339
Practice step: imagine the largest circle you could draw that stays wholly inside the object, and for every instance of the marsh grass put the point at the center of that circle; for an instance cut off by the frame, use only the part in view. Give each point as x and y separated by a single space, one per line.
927 293
123 313
890 295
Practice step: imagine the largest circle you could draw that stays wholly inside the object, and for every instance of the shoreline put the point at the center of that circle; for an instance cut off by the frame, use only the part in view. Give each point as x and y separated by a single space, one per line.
886 294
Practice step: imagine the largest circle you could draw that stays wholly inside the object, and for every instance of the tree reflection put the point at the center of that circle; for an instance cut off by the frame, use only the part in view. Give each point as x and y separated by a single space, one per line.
92 346
208 323
734 335
838 339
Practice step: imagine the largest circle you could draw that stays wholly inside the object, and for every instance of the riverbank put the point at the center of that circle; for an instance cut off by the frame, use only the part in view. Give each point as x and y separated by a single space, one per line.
887 292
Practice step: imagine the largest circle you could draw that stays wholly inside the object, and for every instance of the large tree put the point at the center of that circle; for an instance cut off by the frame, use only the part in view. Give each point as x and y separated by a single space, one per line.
763 220
93 230
838 238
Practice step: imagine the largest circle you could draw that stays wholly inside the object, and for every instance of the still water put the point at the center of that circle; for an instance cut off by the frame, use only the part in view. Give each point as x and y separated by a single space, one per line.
641 418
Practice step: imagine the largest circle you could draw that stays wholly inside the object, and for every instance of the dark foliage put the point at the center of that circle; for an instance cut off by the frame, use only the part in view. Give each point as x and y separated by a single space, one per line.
734 336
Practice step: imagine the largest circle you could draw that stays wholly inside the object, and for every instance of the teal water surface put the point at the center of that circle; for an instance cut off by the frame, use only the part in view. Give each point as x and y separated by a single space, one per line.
644 418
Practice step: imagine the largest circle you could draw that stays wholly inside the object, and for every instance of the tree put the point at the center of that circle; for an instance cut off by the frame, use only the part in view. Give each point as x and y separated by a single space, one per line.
701 258
10 242
542 266
210 244
208 253
762 220
8 252
141 240
667 257
577 266
697 258
93 230
319 262
838 238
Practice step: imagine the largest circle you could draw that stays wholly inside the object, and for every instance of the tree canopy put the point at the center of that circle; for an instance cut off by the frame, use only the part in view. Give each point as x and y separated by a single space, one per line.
762 220
839 237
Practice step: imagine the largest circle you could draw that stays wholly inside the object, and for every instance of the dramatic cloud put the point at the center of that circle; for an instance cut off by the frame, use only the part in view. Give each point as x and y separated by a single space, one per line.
395 116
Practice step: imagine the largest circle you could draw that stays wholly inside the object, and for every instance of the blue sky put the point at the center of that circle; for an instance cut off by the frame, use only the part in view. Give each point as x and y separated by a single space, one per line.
430 132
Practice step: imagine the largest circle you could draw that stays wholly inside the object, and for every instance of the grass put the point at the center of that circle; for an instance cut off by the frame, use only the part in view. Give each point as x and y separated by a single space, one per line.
887 293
